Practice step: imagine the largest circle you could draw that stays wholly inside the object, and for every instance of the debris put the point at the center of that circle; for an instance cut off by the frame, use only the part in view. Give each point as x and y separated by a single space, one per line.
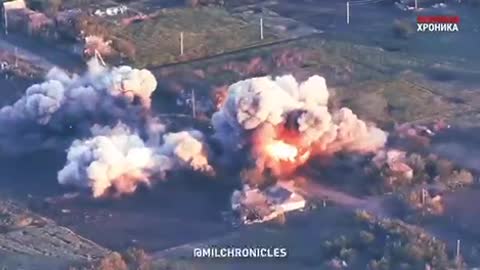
396 162
257 206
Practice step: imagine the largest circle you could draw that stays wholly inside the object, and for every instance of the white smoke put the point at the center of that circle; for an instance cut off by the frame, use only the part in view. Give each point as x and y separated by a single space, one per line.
297 108
356 135
188 149
120 146
256 101
117 159
72 104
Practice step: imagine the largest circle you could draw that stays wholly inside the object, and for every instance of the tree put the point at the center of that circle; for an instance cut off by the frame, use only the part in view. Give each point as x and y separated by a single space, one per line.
113 261
137 259
460 178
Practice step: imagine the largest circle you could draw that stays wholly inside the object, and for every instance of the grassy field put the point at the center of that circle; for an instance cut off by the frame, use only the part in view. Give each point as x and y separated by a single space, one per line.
376 84
332 234
206 31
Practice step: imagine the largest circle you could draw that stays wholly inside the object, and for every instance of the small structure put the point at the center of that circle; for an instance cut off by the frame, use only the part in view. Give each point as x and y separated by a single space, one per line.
97 44
256 206
111 11
396 161
31 22
14 5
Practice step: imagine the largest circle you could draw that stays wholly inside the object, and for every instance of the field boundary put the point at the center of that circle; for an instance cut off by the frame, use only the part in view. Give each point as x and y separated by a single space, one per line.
233 52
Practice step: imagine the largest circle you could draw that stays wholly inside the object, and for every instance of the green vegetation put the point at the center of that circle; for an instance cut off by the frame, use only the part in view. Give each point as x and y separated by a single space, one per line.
395 101
386 244
133 259
384 87
206 31
428 170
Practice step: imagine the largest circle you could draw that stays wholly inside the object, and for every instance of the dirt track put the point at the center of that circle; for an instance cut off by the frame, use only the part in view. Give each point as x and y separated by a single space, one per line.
41 55
318 192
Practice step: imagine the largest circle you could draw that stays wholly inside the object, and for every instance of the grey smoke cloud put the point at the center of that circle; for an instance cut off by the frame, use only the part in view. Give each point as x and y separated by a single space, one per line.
120 145
118 160
261 110
64 104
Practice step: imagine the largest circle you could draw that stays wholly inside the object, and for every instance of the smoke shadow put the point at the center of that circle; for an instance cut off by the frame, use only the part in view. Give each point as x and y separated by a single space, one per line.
185 208
460 145
345 172
32 173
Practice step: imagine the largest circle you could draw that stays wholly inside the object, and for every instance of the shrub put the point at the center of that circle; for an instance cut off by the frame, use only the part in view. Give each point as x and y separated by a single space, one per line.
137 259
113 261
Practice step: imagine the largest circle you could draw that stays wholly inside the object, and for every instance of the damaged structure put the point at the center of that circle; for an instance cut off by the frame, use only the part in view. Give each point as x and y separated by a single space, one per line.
253 205
396 162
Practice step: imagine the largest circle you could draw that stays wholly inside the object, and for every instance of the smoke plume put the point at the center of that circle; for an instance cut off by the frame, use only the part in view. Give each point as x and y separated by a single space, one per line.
118 145
280 119
64 106
118 160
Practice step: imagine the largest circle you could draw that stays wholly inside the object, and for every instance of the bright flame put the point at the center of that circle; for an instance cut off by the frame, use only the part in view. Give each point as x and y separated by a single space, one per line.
305 156
282 151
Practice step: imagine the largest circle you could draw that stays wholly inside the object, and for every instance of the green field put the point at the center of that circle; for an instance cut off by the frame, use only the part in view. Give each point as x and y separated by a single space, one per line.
206 31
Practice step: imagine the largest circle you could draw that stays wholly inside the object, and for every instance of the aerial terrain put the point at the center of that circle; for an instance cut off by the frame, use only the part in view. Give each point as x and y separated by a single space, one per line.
133 132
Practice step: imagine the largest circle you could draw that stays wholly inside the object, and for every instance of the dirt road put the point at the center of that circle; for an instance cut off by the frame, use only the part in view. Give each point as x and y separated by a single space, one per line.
40 54
317 192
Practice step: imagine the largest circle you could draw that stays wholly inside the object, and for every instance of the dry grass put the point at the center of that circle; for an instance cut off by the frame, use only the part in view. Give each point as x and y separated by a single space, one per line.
395 101
207 31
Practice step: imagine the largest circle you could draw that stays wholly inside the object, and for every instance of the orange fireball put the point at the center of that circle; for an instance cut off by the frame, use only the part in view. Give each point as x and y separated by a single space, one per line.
305 156
281 151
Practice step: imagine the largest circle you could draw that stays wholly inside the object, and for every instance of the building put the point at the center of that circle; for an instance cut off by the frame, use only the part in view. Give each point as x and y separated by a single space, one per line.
256 206
21 18
111 11
284 198
14 4
7 7
31 22
396 162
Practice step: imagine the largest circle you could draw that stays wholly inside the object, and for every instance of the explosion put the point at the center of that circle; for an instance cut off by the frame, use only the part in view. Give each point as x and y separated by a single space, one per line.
279 119
275 124
64 106
281 151
117 159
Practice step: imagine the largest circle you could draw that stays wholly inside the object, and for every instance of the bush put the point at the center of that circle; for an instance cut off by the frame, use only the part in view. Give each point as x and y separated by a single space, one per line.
417 163
459 178
113 261
137 259
132 259
387 244
443 168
